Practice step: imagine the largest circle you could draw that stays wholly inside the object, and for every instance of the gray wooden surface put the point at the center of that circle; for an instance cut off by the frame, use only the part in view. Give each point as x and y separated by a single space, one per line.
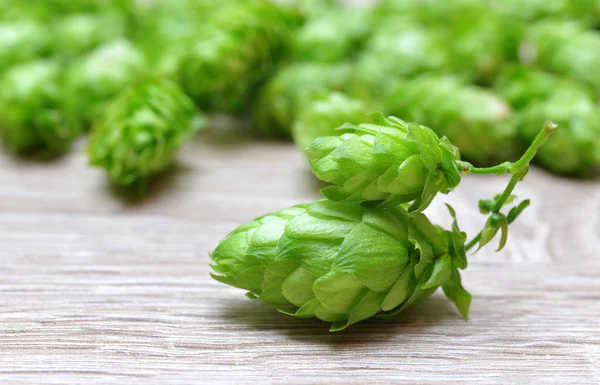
97 288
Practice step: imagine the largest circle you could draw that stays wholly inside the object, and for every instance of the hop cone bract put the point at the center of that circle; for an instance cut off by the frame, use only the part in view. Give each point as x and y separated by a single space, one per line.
142 131
388 162
341 262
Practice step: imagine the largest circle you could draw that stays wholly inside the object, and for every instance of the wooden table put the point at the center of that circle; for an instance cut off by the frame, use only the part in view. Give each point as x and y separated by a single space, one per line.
96 287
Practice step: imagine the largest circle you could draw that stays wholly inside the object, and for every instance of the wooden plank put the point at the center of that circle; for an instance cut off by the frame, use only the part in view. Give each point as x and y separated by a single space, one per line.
96 287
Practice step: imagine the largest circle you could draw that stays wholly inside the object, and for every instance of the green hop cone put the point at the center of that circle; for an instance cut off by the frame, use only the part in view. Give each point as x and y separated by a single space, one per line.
95 79
11 10
309 9
438 11
78 34
429 12
393 162
333 36
532 10
483 41
22 41
62 7
234 54
277 102
320 113
388 162
398 49
521 86
167 29
341 262
31 116
575 148
142 131
564 48
474 119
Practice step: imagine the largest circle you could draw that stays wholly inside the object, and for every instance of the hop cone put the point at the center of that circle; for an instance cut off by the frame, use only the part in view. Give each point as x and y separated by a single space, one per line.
575 148
11 10
166 29
483 41
77 34
142 131
320 113
398 49
429 12
235 54
388 162
274 111
564 48
308 9
50 10
31 117
531 10
95 79
330 37
521 86
437 11
62 7
538 96
341 262
22 41
473 118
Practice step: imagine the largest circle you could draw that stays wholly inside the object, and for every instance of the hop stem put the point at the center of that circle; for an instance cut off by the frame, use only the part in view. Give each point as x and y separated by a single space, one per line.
518 166
499 221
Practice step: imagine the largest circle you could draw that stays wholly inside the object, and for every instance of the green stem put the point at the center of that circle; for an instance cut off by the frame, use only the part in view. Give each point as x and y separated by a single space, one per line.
518 170
473 241
508 190
519 165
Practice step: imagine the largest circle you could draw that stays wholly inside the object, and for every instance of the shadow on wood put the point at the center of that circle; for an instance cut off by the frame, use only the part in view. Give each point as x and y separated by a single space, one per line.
258 316
164 183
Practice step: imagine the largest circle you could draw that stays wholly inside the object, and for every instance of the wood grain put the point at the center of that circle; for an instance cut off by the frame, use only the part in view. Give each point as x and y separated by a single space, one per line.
96 287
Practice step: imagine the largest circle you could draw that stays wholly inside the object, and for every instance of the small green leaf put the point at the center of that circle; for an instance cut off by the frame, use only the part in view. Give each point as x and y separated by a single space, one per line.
517 210
490 230
503 233
456 293
452 211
